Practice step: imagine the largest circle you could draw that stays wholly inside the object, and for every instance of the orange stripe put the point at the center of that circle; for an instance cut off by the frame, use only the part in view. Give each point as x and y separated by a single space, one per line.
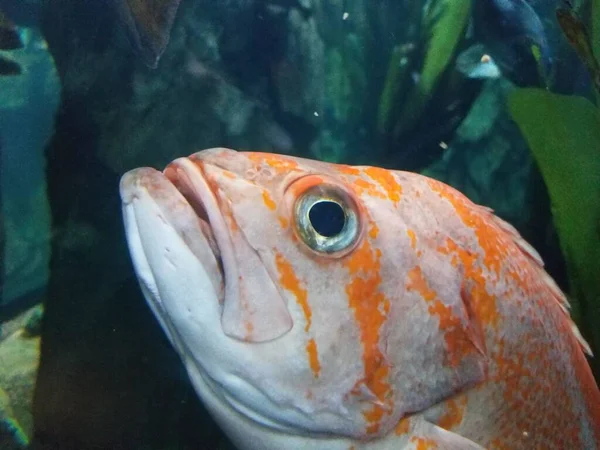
370 307
313 357
288 279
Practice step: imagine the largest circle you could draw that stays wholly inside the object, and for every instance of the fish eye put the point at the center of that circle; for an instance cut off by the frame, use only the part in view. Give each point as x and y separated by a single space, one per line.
327 220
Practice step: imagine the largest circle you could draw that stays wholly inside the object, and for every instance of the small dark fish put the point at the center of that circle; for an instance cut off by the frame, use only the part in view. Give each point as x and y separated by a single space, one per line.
476 63
149 25
510 29
9 37
9 67
577 35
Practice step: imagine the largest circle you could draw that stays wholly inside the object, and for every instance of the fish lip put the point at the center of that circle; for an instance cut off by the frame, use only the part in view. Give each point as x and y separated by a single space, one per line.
193 188
180 179
188 177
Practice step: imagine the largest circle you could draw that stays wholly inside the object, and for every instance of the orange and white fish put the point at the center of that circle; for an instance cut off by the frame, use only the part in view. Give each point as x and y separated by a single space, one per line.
324 306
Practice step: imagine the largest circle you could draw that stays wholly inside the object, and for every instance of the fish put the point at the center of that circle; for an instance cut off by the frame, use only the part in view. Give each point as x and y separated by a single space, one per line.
327 306
513 32
474 62
148 25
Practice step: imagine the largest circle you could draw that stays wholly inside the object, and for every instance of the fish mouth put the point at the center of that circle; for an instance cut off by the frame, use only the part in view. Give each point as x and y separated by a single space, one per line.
194 191
177 199
189 178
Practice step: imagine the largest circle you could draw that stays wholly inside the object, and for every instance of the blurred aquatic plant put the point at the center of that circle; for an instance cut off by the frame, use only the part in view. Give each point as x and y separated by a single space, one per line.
397 74
563 133
445 21
345 79
577 35
596 27
423 98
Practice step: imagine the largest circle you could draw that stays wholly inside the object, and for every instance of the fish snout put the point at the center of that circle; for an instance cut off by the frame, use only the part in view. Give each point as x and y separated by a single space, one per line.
131 182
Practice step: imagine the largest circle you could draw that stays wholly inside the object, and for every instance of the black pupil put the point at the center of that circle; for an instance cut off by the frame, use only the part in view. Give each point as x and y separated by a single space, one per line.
327 218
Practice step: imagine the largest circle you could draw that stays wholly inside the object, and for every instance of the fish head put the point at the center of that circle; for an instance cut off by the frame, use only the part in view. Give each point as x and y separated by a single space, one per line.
293 293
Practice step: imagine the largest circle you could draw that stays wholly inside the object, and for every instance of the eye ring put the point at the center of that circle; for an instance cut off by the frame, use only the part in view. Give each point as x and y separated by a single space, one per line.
327 219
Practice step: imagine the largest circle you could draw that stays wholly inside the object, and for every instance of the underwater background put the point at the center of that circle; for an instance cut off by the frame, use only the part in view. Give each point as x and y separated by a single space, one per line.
501 103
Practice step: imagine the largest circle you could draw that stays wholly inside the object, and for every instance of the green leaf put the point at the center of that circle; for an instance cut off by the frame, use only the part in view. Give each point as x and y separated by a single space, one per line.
596 28
563 133
446 34
395 80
